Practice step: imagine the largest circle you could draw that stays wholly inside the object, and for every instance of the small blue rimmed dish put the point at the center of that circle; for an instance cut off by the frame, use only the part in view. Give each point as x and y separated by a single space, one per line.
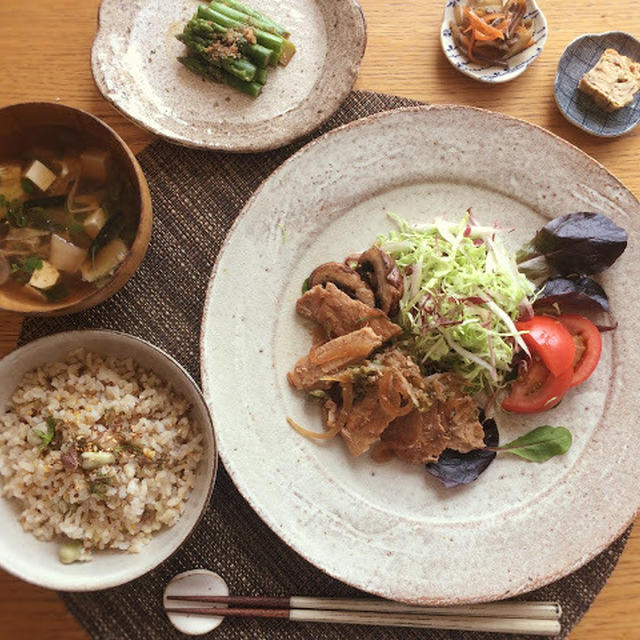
579 108
489 72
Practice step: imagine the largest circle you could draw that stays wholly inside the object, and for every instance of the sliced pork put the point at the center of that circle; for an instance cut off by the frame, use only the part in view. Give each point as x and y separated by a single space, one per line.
364 423
386 401
450 423
337 314
332 357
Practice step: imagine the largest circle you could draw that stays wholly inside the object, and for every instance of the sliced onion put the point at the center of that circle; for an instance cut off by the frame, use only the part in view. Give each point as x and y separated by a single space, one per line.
347 405
407 388
328 355
71 197
387 396
311 434
347 396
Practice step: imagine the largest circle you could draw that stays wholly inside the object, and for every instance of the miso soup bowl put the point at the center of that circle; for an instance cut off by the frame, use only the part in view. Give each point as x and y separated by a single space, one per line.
23 117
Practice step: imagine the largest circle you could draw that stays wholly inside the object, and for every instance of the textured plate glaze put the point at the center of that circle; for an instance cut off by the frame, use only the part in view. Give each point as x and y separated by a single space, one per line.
492 73
389 529
577 107
134 65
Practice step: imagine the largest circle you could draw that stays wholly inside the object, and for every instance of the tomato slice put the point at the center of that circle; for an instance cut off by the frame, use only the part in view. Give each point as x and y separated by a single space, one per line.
551 341
588 345
537 389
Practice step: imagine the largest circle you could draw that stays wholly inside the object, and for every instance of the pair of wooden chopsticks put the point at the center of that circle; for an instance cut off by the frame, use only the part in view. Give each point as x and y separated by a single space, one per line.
534 618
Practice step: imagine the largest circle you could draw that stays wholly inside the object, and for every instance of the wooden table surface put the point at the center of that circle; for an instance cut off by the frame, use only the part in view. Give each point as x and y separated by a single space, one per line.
45 55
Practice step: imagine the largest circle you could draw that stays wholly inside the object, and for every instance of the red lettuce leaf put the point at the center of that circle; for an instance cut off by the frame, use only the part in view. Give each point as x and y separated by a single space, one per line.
454 468
572 291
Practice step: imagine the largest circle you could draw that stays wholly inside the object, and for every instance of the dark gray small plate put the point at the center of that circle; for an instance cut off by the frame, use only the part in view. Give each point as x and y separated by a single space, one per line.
580 108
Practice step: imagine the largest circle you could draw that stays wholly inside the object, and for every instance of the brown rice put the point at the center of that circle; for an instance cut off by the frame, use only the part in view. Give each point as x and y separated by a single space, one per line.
90 405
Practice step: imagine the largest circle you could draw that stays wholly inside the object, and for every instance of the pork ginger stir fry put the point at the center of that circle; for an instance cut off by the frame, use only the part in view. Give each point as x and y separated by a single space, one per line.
373 394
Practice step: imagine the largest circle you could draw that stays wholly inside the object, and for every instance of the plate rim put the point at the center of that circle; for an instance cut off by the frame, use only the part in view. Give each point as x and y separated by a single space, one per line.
206 375
104 29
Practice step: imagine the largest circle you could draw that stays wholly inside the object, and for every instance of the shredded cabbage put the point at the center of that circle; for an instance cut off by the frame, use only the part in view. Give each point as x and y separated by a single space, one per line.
462 293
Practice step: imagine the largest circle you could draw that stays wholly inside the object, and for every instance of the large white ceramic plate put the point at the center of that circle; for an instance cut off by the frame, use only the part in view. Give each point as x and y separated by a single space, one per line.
135 68
389 529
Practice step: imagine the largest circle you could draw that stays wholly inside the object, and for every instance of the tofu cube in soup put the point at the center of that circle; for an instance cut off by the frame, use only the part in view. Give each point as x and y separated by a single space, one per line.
40 175
93 164
45 277
94 222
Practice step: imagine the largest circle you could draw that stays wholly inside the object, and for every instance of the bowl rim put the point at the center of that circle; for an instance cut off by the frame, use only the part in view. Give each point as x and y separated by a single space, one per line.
509 74
145 223
209 426
572 43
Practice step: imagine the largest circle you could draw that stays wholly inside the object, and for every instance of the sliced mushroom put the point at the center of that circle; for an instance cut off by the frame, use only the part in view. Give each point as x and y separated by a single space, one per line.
380 271
345 278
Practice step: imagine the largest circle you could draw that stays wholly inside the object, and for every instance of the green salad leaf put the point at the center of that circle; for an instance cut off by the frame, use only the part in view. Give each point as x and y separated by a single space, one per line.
541 444
462 294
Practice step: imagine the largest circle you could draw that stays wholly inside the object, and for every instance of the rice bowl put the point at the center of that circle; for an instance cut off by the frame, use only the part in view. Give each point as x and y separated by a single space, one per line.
96 405
118 400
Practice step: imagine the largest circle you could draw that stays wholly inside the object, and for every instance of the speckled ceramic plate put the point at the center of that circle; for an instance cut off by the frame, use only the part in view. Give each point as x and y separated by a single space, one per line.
487 72
134 66
577 107
389 529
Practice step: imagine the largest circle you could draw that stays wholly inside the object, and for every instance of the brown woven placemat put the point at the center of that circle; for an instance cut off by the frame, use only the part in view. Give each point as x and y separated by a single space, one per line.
196 197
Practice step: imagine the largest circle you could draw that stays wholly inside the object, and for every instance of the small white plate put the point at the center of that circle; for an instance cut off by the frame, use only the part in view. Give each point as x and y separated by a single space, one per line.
487 72
197 581
135 68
